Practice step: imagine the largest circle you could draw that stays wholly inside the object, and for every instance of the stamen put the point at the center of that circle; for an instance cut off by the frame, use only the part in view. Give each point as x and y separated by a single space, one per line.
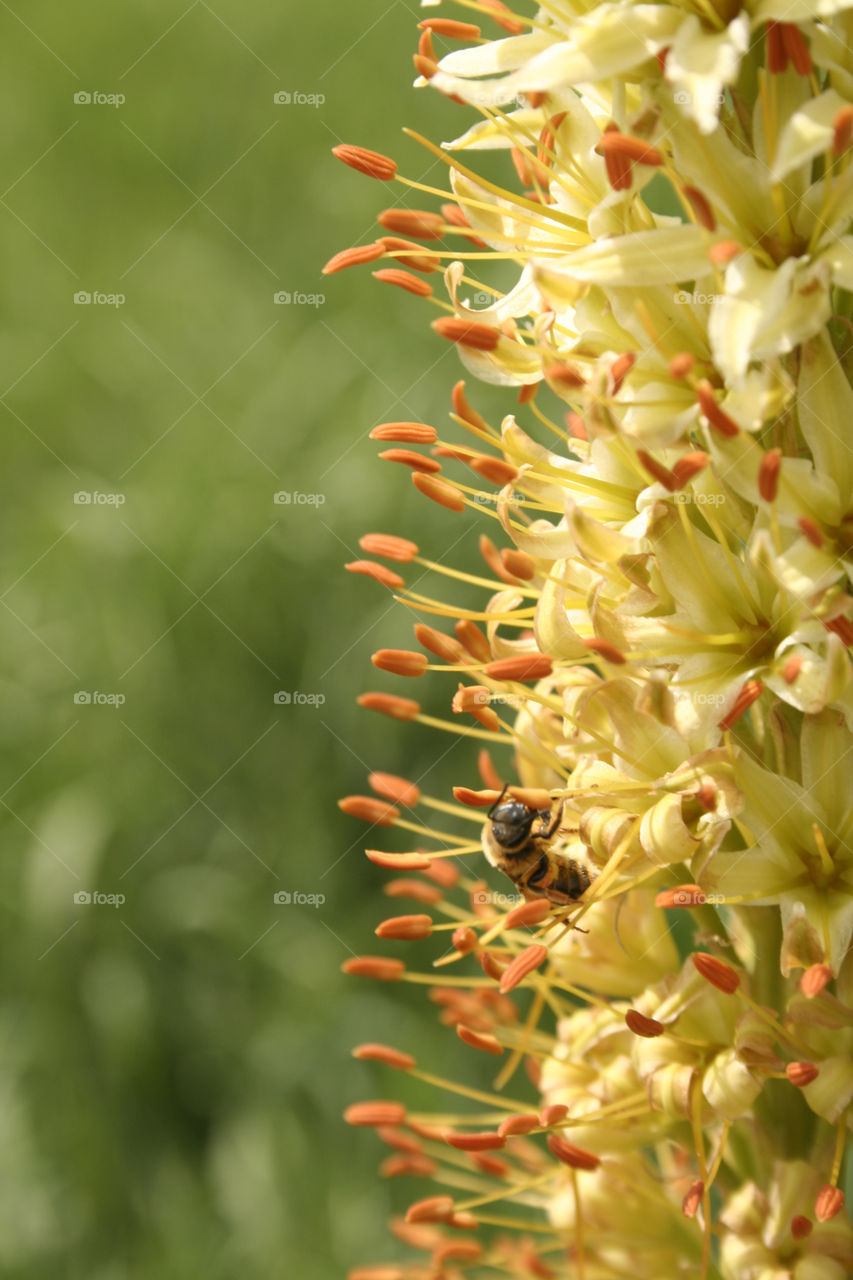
796 48
407 1166
717 972
353 257
658 471
388 546
637 1022
750 693
503 16
801 1226
568 1153
425 66
398 790
380 572
403 280
475 1141
486 1043
518 1125
385 1054
474 699
553 1114
464 941
564 375
411 255
405 432
409 458
606 650
776 53
635 150
691 1202
470 635
688 466
843 628
450 28
405 928
372 163
722 253
811 530
470 333
457 1251
792 668
439 491
401 662
382 968
438 643
701 208
843 130
389 704
427 894
531 958
616 164
801 1073
457 218
477 799
399 861
375 1113
495 470
717 419
522 668
370 809
768 474
830 1201
492 557
527 914
433 1209
684 895
412 222
519 564
681 366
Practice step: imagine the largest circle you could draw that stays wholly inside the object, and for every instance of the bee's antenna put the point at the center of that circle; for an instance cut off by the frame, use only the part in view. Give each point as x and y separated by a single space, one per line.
500 797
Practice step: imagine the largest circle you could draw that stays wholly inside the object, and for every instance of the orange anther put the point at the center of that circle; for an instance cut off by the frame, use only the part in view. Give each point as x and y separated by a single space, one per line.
371 163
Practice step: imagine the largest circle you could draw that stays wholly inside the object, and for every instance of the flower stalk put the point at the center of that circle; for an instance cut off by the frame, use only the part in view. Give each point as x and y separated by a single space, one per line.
639 900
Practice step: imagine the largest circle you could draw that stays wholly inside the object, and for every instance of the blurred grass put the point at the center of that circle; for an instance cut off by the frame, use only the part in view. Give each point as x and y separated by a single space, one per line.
173 1070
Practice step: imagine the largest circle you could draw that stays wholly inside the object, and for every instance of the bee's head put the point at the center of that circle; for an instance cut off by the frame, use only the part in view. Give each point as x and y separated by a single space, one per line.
511 823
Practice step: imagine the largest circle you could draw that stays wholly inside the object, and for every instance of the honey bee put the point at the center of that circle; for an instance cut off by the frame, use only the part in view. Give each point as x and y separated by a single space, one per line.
517 840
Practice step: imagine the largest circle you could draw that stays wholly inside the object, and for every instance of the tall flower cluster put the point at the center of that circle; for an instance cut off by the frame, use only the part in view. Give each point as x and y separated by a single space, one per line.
661 640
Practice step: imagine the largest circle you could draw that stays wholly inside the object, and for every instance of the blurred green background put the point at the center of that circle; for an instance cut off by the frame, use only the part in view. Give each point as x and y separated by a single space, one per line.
173 1068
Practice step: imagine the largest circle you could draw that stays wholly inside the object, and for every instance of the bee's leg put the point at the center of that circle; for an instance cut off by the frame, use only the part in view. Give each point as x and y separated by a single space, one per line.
571 880
535 884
